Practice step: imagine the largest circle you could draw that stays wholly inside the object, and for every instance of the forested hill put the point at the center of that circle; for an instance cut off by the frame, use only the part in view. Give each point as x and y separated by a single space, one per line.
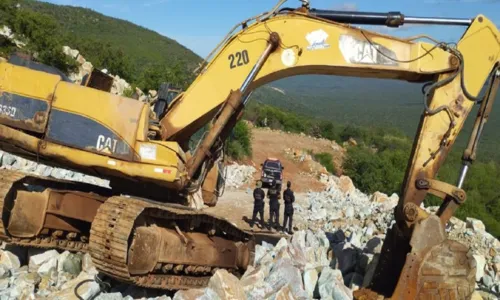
94 34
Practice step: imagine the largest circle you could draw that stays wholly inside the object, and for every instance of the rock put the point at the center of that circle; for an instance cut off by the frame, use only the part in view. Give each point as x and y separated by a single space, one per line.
238 175
87 264
285 293
226 285
45 268
480 263
110 296
310 280
4 284
70 263
475 224
283 273
349 212
379 197
9 260
8 159
37 261
152 93
487 281
345 184
195 294
85 290
4 272
331 285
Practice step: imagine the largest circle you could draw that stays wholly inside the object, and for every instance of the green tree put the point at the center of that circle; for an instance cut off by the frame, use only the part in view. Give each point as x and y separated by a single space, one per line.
239 145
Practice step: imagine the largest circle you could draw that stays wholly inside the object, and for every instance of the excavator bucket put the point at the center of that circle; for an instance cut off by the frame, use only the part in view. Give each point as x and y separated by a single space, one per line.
435 267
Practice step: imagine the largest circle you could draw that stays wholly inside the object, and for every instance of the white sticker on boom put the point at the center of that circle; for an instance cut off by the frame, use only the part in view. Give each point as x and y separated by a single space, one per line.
317 40
358 51
147 151
288 58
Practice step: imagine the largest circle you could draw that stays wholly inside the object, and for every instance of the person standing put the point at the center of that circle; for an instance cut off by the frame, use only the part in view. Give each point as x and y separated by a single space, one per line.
288 198
258 204
274 206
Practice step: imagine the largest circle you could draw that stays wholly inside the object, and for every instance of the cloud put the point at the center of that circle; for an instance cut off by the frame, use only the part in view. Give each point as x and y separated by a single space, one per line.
346 6
154 2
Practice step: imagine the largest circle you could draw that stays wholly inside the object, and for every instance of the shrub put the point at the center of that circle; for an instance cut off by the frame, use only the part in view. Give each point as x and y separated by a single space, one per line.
239 145
326 160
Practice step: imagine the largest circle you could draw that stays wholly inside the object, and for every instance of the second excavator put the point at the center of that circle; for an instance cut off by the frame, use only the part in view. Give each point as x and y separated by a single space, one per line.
146 229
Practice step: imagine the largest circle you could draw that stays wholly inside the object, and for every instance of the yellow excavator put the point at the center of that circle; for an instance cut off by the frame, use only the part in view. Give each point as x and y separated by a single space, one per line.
146 229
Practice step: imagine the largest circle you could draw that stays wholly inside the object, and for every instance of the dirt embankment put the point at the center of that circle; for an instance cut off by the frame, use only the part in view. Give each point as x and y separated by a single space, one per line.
291 149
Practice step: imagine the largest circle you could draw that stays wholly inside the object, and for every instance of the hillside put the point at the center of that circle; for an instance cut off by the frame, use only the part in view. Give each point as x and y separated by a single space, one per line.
381 102
120 46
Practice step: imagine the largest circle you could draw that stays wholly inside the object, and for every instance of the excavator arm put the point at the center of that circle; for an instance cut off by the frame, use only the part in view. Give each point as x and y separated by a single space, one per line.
417 259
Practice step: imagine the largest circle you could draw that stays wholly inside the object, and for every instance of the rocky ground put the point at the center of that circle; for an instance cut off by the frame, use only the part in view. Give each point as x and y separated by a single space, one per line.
338 236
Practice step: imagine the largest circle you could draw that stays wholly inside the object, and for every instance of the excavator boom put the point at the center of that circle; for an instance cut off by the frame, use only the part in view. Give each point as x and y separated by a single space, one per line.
147 156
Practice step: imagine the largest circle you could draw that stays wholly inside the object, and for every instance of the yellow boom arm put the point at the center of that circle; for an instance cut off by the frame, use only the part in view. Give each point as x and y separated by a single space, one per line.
296 43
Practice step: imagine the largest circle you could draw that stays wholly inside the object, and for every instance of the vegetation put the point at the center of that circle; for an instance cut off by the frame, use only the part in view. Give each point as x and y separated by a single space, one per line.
239 144
379 161
38 31
326 160
142 57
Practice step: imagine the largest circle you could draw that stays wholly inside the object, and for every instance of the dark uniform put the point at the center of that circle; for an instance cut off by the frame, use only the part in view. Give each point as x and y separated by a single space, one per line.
274 206
288 198
258 204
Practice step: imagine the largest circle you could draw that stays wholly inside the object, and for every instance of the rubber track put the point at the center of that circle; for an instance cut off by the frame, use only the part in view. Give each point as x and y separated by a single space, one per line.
113 226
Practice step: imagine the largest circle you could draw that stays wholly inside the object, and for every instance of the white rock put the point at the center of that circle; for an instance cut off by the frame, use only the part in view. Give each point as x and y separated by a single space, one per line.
331 285
37 260
9 260
310 280
480 263
349 212
226 285
45 268
475 224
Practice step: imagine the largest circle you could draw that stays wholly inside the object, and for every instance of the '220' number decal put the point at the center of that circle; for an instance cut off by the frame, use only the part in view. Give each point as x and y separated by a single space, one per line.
238 59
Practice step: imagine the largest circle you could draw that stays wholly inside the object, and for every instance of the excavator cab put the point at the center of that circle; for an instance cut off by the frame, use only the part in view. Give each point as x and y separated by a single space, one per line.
166 94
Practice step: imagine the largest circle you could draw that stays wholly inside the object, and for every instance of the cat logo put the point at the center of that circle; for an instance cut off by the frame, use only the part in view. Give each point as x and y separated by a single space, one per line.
106 143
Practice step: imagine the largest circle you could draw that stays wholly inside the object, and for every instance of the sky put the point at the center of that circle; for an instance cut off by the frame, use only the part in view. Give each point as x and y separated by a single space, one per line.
201 24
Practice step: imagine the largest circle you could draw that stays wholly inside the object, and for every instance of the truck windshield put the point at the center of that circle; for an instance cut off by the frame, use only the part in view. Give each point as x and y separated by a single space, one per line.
272 165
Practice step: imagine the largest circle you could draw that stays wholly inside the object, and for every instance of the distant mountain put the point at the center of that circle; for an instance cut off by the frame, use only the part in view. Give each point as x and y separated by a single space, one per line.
374 102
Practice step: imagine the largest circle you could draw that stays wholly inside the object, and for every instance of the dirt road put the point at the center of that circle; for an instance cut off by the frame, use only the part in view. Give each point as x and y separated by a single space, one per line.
267 143
237 207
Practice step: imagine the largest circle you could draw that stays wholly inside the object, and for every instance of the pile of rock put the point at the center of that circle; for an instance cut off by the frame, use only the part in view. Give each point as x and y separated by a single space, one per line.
13 162
300 269
343 206
85 67
361 221
25 274
7 33
238 175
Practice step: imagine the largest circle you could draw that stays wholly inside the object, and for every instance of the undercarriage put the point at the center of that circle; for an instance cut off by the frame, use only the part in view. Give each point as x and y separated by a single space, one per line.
134 240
